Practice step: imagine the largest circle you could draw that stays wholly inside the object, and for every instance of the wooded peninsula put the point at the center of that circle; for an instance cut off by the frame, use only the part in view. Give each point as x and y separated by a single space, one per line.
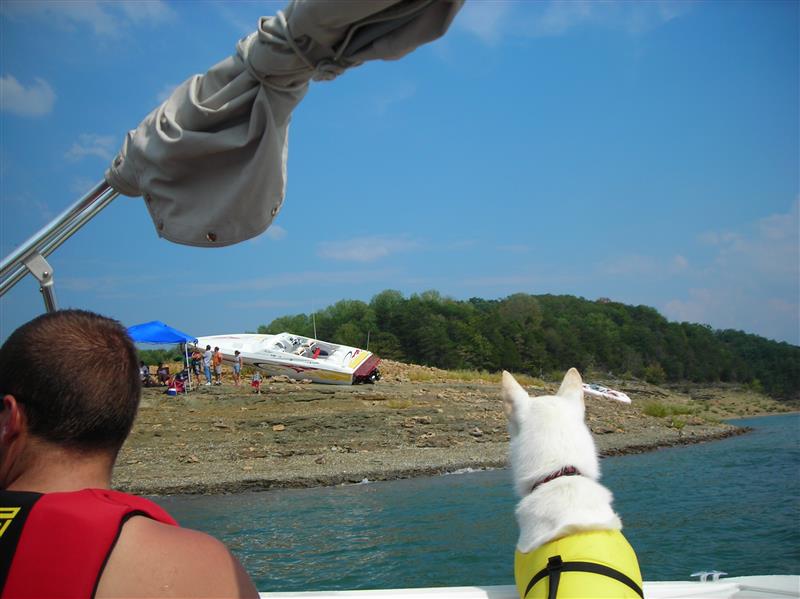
545 334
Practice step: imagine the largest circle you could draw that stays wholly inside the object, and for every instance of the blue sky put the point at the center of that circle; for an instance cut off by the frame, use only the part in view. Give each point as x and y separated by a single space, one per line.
646 152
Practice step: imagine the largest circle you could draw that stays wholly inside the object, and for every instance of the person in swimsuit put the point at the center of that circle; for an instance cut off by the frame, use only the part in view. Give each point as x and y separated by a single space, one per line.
207 356
216 360
237 368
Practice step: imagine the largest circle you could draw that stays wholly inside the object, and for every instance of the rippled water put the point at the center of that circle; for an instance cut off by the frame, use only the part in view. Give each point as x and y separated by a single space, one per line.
732 505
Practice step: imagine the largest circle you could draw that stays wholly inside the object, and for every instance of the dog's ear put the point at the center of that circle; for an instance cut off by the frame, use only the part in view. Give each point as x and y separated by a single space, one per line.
512 393
572 389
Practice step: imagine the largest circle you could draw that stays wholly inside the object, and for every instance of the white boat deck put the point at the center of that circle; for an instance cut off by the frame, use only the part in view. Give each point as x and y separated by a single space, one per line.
742 587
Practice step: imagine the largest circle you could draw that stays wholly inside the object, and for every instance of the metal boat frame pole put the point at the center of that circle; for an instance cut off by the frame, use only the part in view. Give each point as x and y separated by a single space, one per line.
30 257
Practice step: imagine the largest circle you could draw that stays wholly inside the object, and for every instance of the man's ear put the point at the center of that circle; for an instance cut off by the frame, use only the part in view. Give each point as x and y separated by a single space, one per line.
12 419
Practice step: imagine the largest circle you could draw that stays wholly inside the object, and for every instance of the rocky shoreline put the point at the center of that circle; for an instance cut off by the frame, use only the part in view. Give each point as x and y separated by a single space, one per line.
227 439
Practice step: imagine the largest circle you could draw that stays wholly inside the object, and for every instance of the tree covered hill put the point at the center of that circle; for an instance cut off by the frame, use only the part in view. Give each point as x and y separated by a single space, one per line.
539 334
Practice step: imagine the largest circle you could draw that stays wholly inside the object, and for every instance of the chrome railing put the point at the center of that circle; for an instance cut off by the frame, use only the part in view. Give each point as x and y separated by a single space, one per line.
31 256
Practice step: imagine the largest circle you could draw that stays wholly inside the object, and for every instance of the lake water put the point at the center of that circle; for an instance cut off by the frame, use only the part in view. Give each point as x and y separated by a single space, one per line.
731 505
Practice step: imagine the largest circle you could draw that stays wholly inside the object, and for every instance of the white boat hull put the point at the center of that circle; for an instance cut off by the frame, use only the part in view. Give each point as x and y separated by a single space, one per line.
297 357
596 390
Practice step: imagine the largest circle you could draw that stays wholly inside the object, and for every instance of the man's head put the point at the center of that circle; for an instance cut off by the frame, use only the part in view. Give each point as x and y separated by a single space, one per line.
74 376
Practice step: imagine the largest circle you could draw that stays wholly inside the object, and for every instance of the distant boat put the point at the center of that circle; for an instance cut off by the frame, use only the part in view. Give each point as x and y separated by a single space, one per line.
298 357
605 392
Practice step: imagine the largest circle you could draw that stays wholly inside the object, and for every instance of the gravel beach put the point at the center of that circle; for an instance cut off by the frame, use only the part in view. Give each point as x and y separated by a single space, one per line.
415 421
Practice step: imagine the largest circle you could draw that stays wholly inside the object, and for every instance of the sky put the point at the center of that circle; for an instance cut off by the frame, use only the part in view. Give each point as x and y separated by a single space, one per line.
643 152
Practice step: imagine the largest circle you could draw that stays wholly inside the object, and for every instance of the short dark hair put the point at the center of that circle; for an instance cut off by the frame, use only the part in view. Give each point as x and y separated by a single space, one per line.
75 375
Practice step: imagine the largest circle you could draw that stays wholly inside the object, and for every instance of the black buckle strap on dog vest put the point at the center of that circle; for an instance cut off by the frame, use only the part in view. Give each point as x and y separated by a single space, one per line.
555 567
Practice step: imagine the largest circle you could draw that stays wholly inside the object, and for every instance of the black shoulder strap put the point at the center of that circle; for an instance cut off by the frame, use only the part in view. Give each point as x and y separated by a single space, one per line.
14 509
555 567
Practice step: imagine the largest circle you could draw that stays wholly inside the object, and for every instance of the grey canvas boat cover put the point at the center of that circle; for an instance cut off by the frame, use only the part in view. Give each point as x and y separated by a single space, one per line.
211 160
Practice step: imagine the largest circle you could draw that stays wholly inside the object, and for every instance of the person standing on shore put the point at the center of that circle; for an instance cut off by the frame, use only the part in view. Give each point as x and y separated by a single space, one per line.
65 533
207 364
237 368
216 359
197 358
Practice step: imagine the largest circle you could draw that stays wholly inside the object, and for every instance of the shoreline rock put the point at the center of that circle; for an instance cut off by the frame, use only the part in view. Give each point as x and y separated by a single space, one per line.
362 473
226 440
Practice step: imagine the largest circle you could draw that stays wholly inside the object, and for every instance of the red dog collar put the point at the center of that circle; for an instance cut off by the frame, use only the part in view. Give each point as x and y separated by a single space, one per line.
565 471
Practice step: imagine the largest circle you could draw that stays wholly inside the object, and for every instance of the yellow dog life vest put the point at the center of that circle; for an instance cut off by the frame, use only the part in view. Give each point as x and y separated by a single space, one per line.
590 564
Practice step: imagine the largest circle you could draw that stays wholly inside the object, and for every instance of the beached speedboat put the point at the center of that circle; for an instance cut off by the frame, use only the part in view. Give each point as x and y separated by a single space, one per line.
600 391
298 357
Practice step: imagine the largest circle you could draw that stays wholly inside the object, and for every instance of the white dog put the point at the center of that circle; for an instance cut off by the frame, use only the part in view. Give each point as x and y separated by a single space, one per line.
570 544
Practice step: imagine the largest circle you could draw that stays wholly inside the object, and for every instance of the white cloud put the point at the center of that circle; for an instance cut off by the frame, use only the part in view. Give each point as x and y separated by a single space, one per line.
630 265
460 244
514 248
104 18
265 304
635 265
365 249
166 92
716 237
486 20
559 17
631 17
695 308
501 283
275 233
740 309
398 93
294 279
490 21
243 15
81 185
770 248
64 13
117 285
35 100
781 227
41 207
746 278
90 144
679 263
145 11
752 282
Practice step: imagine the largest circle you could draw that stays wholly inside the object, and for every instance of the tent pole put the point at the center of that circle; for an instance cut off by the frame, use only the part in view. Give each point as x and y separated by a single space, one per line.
188 367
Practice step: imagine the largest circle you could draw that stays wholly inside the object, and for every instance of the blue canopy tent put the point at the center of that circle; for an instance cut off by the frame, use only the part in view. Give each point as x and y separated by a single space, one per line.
157 332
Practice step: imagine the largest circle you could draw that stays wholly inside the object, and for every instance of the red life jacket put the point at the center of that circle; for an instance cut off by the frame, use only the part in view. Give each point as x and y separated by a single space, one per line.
57 544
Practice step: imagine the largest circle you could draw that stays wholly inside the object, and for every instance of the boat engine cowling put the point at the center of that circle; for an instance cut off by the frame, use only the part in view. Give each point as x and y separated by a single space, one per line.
371 378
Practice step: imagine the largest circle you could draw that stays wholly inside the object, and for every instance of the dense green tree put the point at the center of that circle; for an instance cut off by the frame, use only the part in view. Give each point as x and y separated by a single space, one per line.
300 324
550 333
154 357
